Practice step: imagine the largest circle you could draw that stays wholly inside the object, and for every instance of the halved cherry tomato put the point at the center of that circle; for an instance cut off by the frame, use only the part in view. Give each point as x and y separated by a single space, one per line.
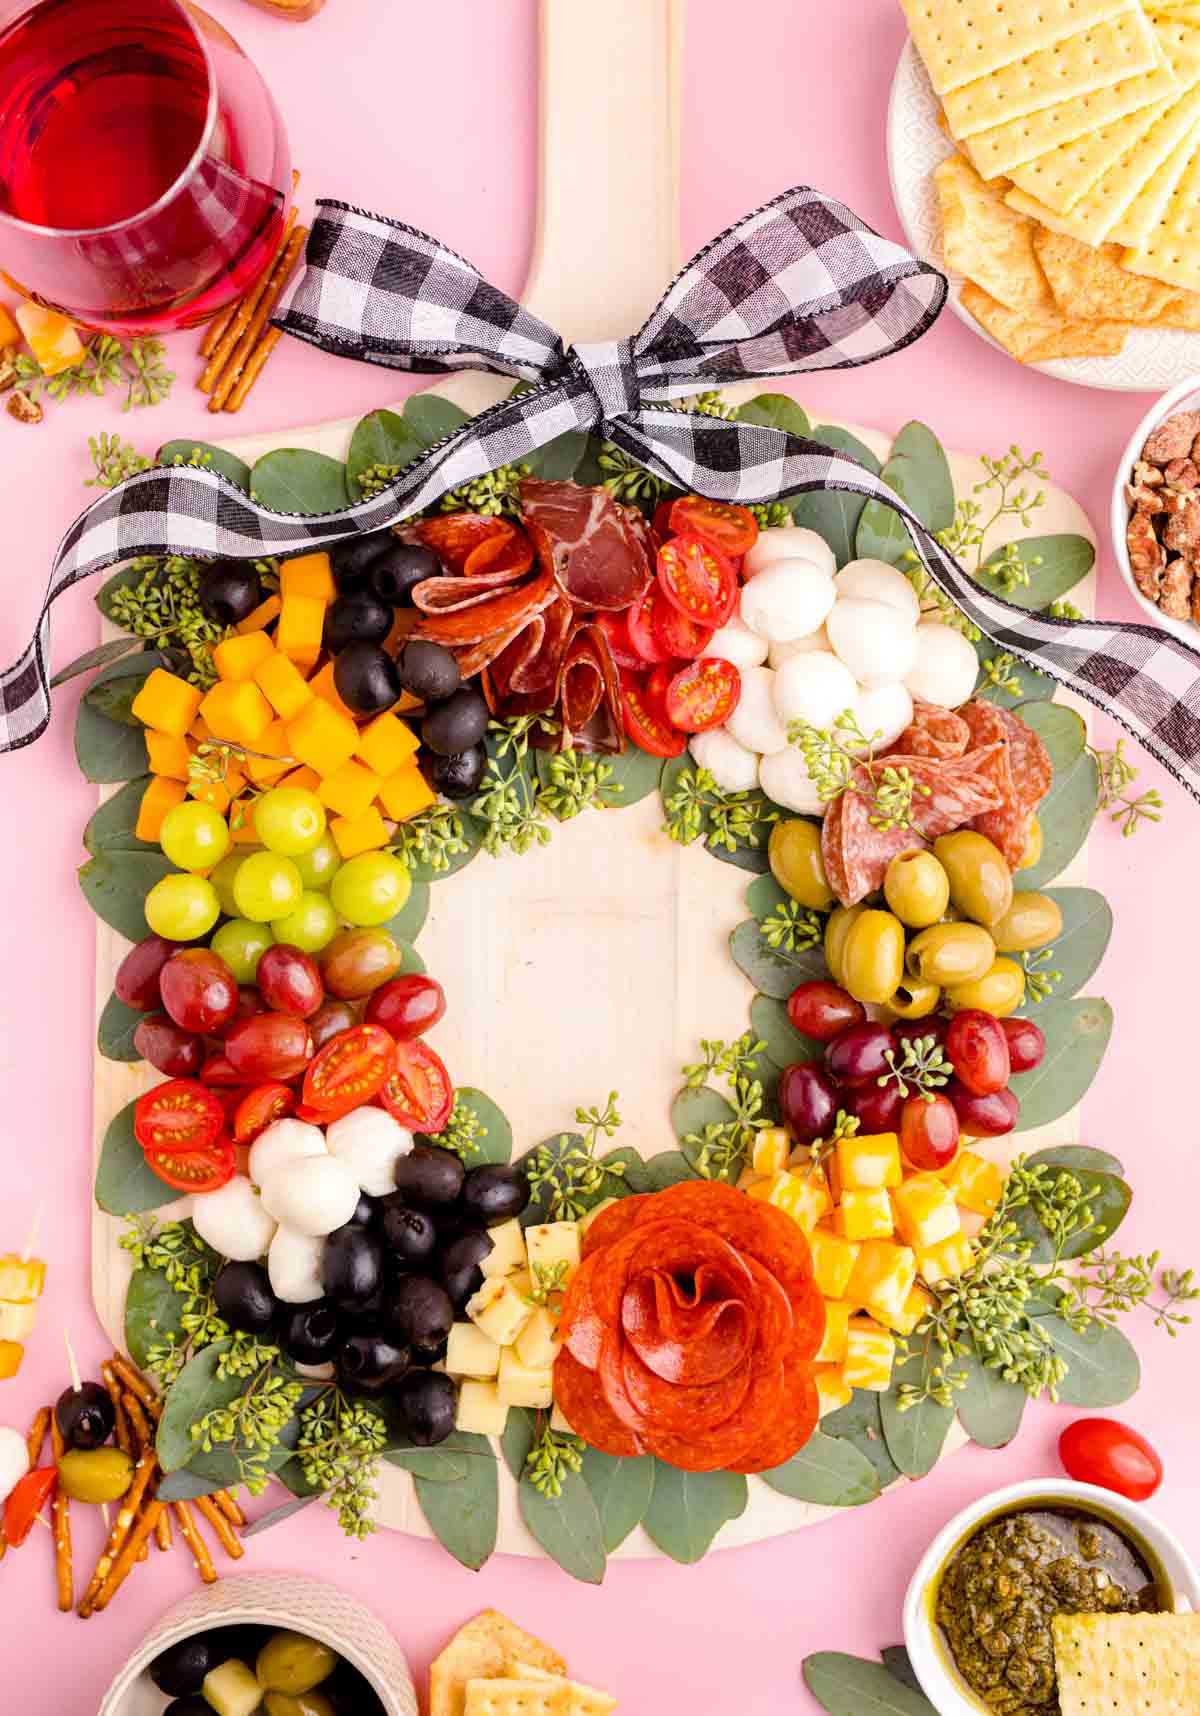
26 1500
205 1169
616 629
646 731
703 695
349 1071
419 1093
258 1108
698 580
219 1070
660 524
732 529
179 1114
673 631
1105 1452
640 620
654 691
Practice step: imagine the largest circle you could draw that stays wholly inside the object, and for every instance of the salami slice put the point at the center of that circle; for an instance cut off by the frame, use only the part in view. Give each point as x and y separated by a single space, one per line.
1021 774
482 614
687 1339
755 1228
611 1375
854 852
532 663
933 732
776 1318
583 537
580 1399
455 536
788 1428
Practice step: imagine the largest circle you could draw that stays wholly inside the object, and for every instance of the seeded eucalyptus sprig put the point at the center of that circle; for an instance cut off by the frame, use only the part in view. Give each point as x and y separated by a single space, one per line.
577 782
190 1269
793 928
722 1147
493 494
250 1426
997 672
832 755
922 1068
464 1132
549 1460
163 608
338 1450
1117 773
508 803
569 1175
699 808
432 837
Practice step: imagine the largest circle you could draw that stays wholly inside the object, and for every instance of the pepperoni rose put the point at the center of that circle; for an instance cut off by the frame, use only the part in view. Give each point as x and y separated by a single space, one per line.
689 1329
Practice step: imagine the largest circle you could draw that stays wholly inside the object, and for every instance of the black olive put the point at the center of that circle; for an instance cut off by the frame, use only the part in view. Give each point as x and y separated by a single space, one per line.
365 678
312 1333
352 559
457 724
428 1401
399 569
242 1294
85 1416
458 775
352 1265
357 617
409 1232
461 1274
428 670
494 1193
180 1670
368 1363
229 590
192 1706
418 1313
367 1212
430 1175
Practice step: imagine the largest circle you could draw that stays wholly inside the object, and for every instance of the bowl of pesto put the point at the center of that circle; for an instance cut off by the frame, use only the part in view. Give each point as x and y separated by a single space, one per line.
979 1610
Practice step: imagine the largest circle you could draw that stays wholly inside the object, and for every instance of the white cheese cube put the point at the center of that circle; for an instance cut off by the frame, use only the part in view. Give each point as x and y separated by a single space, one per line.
520 1385
538 1344
508 1249
553 1248
469 1352
559 1421
480 1409
499 1310
16 1321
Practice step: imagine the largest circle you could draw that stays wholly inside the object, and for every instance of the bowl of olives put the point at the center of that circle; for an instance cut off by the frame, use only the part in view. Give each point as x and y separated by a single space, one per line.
265 1644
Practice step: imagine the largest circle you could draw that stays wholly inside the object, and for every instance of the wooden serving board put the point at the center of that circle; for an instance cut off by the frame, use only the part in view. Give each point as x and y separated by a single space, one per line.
598 962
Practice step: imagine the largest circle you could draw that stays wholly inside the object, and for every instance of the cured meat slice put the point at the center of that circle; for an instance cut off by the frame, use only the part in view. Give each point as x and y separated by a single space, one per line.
689 1338
933 732
756 1228
482 614
673 1409
856 854
532 663
455 536
776 1320
578 1395
584 538
729 1443
789 1426
579 1326
1021 774
612 1224
611 1375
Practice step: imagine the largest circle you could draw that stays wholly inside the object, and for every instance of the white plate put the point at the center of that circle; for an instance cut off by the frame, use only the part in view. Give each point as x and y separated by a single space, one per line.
1153 358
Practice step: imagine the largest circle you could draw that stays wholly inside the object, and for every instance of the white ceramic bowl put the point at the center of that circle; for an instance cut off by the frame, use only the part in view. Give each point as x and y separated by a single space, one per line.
943 1685
1185 397
290 1600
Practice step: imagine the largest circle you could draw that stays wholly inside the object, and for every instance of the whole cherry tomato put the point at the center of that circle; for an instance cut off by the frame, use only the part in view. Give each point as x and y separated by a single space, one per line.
406 1007
820 1009
1105 1452
977 1048
929 1132
418 1093
179 1114
1026 1043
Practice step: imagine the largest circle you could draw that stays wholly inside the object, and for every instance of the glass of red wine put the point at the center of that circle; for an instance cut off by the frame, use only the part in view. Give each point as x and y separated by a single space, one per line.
144 168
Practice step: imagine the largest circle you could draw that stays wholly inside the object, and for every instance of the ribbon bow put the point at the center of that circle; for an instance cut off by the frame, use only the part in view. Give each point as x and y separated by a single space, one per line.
801 284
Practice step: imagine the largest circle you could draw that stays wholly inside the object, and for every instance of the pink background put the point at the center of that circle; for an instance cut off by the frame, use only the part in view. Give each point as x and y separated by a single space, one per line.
429 112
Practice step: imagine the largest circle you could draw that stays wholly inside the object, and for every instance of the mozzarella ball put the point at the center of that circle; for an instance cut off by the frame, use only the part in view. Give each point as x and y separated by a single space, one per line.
312 1195
876 642
14 1460
884 709
876 581
945 668
785 780
294 1266
233 1221
736 643
789 600
754 723
370 1143
283 1141
732 766
815 687
788 542
778 653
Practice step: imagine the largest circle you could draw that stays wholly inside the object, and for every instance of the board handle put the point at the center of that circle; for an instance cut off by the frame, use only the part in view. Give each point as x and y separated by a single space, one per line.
607 234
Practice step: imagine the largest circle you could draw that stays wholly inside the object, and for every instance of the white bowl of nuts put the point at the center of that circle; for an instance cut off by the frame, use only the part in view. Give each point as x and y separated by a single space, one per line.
1156 512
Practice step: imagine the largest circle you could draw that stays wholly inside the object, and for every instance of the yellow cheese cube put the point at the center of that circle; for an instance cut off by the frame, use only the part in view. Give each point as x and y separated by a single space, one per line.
169 754
10 334
349 790
237 712
911 1313
518 1385
298 634
975 1182
883 1278
283 685
867 1161
406 793
16 1321
508 1249
322 737
772 1146
167 702
559 1423
585 1221
833 1260
832 1349
832 1388
804 1196
386 743
944 1262
870 1354
925 1211
21 1278
159 797
258 619
267 769
321 685
307 779
469 1352
864 1214
521 1281
553 1248
365 833
538 1345
308 575
239 657
51 338
481 1412
499 1310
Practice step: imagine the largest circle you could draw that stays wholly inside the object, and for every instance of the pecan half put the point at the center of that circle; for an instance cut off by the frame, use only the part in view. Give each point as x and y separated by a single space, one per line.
1172 439
1146 556
1175 598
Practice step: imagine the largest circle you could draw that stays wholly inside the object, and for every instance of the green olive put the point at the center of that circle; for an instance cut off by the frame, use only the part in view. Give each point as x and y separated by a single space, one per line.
307 1704
1000 990
1033 846
293 1663
841 918
1031 921
916 888
99 1475
873 957
794 852
980 881
915 999
950 953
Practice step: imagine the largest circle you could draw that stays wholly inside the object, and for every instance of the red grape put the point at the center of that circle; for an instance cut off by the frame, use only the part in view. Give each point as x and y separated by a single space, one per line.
977 1049
983 1116
136 982
406 1007
908 1030
857 1054
218 1071
269 1046
1026 1043
249 1001
330 1020
289 981
169 1048
808 1101
198 990
928 1133
875 1106
820 1010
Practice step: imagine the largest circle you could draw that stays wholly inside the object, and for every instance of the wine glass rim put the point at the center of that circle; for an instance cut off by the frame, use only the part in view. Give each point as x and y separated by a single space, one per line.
180 179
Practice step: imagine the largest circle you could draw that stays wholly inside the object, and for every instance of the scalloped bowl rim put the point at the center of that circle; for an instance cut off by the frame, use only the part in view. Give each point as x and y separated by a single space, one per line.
1185 395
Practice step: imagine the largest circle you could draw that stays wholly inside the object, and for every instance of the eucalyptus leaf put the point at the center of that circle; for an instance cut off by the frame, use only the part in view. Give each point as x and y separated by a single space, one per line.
497 1143
773 971
1055 565
776 411
1031 686
914 1438
107 750
111 828
116 649
1060 729
688 1509
1066 816
188 1486
851 1686
668 1168
153 1314
921 448
410 919
989 1408
828 1471
125 1183
1077 1158
764 896
636 773
274 1516
895 1660
621 1488
294 480
859 1421
567 1526
196 1390
634 1179
410 960
693 1110
1076 952
559 460
1108 1198
115 886
114 1034
184 452
1077 1034
464 1516
1102 1365
431 418
380 438
769 1023
834 513
882 533
441 1465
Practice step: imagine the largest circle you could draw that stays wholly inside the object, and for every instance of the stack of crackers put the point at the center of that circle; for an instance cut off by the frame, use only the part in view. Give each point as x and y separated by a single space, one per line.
1073 207
493 1667
1137 1665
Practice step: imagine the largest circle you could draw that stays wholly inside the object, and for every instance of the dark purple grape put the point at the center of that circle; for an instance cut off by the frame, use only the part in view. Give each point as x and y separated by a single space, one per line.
876 1107
983 1116
808 1101
858 1054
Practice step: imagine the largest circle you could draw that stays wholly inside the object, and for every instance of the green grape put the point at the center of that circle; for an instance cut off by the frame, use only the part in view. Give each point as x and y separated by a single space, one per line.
267 886
313 923
241 944
194 836
319 864
290 820
371 888
222 878
181 908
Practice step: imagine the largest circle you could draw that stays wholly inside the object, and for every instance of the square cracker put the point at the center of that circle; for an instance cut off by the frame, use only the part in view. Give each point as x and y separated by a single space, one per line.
985 240
1076 66
1089 281
1146 210
1062 176
585 1700
1141 1665
501 1697
483 1647
1036 336
1171 252
976 37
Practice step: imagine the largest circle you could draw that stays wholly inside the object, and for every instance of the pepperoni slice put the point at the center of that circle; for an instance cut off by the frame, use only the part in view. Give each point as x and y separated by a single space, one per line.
612 1224
686 1338
788 1428
611 1375
723 1446
776 1319
672 1410
579 1328
748 1225
578 1396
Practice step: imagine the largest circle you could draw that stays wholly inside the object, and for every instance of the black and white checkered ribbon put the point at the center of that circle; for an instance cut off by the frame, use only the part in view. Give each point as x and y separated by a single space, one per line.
801 284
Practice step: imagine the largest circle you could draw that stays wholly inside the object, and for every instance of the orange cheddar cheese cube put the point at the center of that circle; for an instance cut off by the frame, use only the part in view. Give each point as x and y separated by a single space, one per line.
405 793
350 790
833 1261
387 743
169 754
321 737
239 656
975 1182
258 619
10 334
832 1349
213 793
804 1197
237 712
365 833
51 337
864 1213
243 832
167 702
308 575
406 704
944 1262
912 1311
159 797
283 685
199 730
924 1211
321 685
832 1388
872 1159
298 634
870 1354
267 769
884 1275
308 779
770 1151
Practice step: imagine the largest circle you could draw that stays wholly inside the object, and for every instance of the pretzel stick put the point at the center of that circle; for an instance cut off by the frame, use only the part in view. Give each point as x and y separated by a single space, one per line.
60 1514
244 313
119 1537
142 1437
216 329
37 1435
229 1507
279 277
254 366
194 1541
120 1572
221 1526
134 1383
121 1427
